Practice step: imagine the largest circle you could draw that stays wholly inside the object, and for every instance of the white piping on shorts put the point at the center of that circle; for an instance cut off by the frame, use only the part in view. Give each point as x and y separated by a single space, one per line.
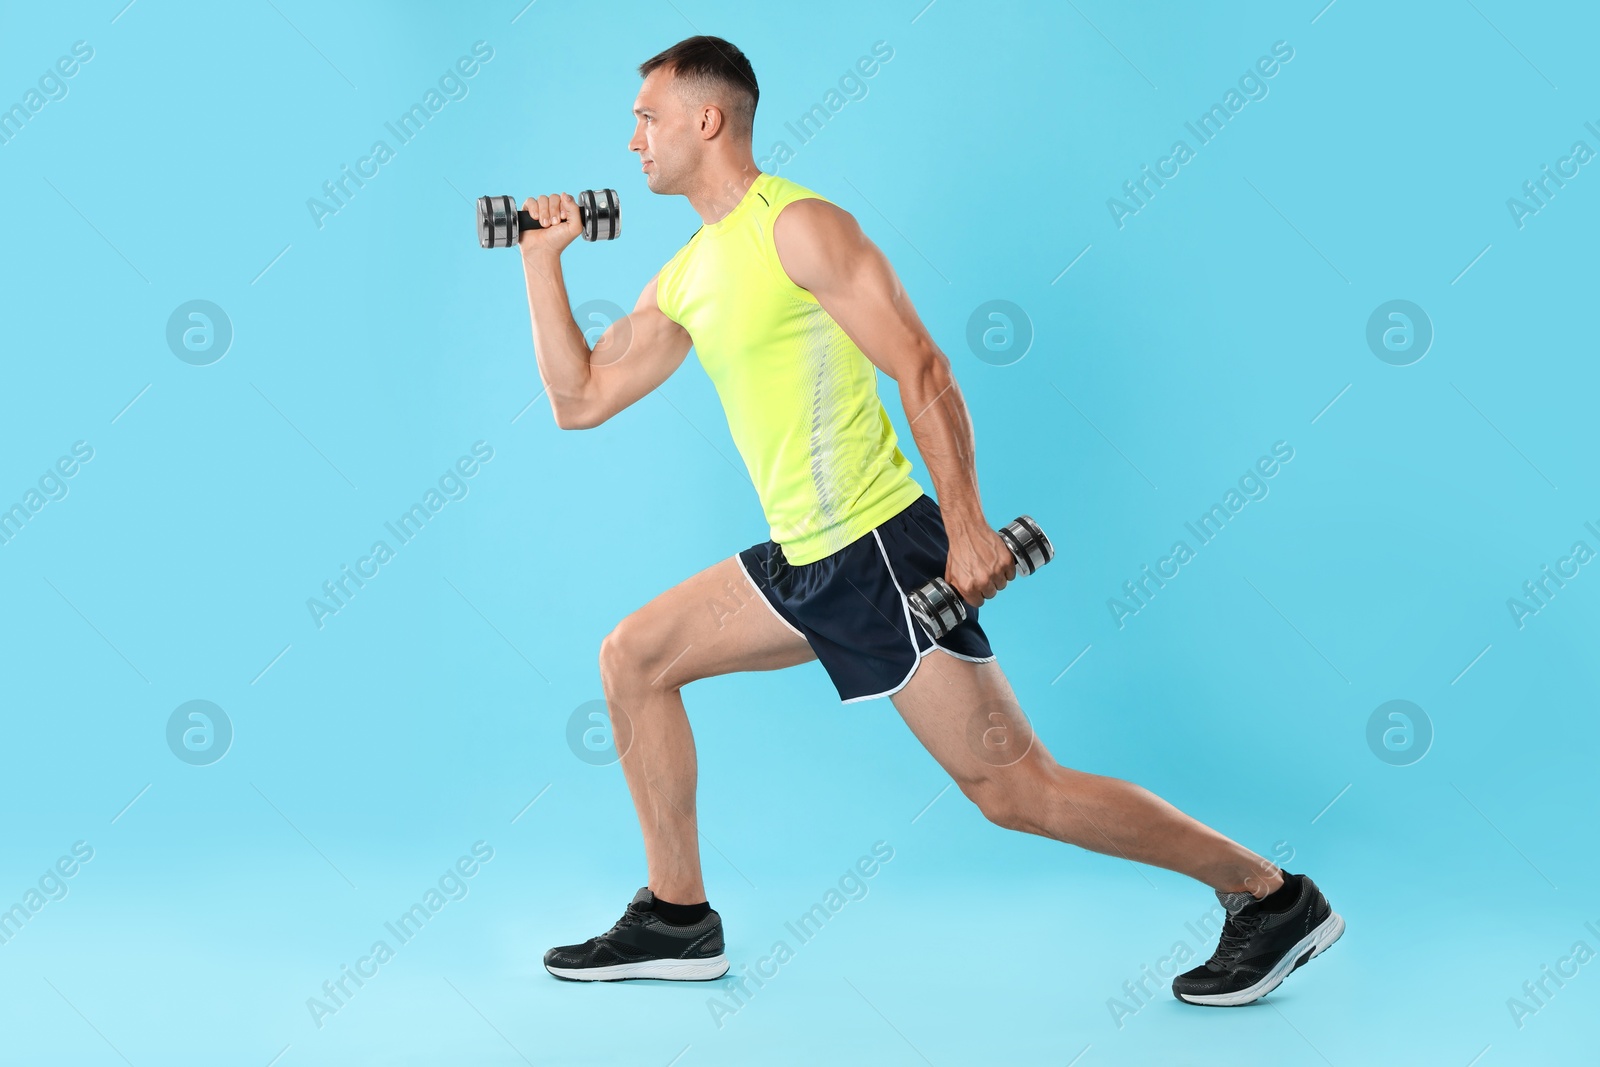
763 598
905 606
957 655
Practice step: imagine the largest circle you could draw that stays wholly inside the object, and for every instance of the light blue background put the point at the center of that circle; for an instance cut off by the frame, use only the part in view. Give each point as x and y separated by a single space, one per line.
370 353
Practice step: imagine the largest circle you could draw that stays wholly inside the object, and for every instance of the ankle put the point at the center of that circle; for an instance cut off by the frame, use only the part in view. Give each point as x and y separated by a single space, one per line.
1259 879
680 914
1262 886
684 890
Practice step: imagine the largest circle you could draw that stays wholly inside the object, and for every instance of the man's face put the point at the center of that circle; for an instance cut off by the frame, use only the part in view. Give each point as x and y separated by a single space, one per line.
665 134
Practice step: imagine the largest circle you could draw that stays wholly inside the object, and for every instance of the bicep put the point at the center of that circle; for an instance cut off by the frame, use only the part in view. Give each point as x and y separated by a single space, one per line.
635 354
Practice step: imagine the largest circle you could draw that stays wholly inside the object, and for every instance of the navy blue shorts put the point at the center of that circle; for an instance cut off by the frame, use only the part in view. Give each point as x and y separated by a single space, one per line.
851 606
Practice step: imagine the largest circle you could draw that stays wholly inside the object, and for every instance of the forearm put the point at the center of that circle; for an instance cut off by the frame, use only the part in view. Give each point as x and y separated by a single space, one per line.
943 432
558 343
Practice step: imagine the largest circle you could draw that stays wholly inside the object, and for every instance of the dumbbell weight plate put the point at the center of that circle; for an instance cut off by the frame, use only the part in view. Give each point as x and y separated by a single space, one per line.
601 213
938 607
497 222
1028 544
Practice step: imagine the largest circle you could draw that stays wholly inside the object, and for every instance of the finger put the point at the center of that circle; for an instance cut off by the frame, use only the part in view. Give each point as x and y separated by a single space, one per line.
544 212
569 208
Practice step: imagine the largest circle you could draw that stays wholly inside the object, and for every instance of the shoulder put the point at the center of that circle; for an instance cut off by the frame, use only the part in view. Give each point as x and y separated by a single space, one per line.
814 239
811 213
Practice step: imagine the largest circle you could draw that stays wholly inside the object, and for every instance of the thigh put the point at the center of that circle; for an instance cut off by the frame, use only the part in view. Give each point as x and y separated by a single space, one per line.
967 717
714 622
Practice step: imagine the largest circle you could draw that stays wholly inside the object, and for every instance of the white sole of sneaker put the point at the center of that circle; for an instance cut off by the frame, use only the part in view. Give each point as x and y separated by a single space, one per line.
1308 948
669 970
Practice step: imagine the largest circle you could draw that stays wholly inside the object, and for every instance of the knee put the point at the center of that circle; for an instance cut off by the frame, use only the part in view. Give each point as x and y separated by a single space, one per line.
1002 799
632 653
622 651
1031 795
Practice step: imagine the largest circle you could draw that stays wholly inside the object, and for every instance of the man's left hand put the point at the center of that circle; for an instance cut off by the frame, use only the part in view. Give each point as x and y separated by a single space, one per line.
979 565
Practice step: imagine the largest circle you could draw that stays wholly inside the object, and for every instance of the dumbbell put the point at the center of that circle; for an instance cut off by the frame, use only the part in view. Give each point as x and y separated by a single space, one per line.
940 608
501 222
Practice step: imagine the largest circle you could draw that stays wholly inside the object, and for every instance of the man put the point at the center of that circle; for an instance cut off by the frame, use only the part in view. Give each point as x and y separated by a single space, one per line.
792 310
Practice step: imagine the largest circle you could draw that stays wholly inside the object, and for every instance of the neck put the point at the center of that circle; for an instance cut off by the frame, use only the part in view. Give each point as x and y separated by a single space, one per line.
721 188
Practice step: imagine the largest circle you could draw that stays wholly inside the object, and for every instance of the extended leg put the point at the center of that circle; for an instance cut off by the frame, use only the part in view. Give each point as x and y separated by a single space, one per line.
967 717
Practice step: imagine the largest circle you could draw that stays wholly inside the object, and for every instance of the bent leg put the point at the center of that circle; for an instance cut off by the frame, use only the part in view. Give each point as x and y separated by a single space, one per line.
967 717
715 622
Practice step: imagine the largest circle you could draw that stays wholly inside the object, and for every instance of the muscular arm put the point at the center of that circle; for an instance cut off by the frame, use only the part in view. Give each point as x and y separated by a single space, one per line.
823 250
634 355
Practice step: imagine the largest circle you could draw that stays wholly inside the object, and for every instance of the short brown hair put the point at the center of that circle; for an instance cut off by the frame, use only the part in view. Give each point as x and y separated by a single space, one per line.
711 62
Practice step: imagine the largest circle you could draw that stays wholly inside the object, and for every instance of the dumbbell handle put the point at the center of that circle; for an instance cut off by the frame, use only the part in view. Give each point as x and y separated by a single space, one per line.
528 222
940 609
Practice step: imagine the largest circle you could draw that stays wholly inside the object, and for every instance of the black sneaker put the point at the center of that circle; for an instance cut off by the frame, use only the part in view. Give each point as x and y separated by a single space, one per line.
1259 948
643 945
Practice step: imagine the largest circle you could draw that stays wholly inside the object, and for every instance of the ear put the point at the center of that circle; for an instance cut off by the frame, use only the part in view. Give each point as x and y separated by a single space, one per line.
711 121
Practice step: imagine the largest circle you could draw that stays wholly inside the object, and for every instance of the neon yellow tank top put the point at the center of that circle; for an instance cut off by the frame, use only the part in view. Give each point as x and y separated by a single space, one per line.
801 399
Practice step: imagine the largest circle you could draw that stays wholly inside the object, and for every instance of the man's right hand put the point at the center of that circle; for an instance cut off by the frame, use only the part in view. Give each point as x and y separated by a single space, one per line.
559 224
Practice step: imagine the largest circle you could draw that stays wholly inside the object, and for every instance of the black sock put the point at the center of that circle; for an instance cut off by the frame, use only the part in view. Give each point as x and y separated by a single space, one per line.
680 914
1282 898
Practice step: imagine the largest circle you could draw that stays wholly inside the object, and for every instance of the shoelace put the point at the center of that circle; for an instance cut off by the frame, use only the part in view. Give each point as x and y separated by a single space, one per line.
632 917
1236 934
